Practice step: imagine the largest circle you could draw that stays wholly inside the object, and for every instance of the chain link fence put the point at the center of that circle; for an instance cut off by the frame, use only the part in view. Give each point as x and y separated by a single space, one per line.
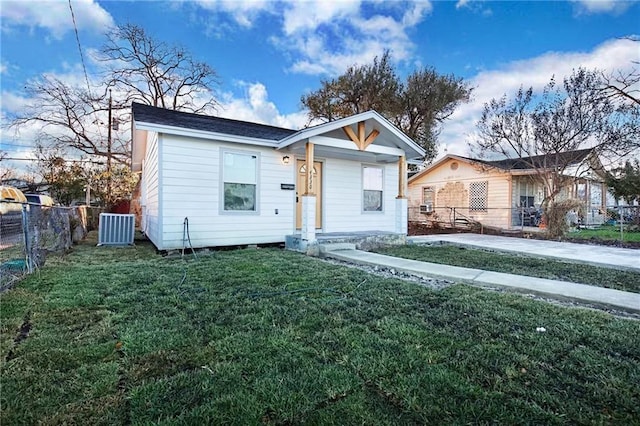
28 232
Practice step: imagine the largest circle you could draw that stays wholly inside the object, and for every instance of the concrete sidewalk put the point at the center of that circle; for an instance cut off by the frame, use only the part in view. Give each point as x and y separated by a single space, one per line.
603 256
598 296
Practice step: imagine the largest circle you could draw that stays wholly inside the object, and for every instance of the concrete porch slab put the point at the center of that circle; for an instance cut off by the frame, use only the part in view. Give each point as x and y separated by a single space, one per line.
363 240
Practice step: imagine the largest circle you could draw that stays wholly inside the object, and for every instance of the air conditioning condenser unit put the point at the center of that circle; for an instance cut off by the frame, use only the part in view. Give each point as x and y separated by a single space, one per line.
116 229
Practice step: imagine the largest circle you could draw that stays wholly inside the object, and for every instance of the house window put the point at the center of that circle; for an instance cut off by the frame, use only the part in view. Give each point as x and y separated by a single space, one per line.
428 196
527 197
478 192
239 174
372 183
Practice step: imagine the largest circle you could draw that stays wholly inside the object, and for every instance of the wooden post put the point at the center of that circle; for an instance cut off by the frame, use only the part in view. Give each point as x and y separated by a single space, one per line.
402 176
361 141
308 181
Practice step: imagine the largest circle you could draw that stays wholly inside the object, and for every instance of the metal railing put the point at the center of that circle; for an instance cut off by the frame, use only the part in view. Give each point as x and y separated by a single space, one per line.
528 219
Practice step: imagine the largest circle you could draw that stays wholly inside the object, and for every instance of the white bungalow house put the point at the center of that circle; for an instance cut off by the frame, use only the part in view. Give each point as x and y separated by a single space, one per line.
238 183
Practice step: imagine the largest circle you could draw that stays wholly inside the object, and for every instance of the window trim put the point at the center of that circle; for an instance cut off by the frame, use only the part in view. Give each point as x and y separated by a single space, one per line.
221 183
433 194
382 190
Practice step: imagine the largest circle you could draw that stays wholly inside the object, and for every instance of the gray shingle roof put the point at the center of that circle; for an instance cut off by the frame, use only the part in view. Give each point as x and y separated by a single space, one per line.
187 120
542 161
538 161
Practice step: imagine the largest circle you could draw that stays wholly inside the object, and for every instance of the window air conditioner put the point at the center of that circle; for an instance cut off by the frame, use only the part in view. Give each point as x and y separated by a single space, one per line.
426 208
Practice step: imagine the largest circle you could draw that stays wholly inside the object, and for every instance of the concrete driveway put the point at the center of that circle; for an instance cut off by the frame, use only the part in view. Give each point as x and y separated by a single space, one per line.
603 256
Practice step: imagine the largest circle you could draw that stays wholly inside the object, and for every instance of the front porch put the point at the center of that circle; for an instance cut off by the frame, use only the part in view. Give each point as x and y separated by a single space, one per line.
363 240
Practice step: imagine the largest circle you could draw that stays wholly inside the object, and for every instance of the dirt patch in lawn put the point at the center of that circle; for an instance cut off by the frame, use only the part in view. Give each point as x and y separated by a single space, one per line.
23 333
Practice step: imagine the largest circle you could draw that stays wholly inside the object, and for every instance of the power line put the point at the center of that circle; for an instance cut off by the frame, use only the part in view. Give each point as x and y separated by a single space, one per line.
3 144
84 68
69 161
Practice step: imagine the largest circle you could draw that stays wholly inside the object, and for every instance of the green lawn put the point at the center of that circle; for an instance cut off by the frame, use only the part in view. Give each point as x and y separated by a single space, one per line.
122 335
607 232
521 265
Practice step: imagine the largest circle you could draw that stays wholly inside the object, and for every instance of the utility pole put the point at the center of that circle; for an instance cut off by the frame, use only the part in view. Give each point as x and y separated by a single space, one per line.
109 151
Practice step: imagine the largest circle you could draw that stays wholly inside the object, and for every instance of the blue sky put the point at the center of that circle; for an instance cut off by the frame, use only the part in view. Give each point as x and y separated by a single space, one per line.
269 53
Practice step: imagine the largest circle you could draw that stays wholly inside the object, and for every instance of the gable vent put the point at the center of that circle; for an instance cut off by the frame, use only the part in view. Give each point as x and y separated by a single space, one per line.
116 229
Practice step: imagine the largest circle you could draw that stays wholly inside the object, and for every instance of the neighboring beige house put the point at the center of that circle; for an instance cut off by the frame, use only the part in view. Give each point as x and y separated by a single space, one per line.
503 194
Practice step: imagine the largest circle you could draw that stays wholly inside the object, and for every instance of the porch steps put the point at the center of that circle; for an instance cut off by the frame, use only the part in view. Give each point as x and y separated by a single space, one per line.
325 248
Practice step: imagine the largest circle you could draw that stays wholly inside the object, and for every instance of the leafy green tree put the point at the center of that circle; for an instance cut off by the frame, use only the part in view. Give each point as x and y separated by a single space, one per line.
111 186
417 106
625 182
66 179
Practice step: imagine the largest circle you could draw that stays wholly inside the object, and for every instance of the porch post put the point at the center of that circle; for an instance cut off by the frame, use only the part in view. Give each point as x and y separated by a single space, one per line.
402 176
308 230
308 178
401 199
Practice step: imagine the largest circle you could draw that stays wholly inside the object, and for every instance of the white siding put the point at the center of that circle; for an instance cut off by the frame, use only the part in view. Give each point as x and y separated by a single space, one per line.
342 198
149 187
191 185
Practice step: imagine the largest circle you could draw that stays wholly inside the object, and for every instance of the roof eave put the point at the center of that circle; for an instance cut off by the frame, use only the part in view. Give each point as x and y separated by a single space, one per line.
225 137
438 163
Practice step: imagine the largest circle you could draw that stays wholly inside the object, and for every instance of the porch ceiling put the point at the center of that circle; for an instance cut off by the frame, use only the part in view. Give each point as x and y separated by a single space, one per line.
343 153
366 132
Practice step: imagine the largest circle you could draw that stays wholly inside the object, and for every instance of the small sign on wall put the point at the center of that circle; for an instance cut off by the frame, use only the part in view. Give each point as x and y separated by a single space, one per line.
288 186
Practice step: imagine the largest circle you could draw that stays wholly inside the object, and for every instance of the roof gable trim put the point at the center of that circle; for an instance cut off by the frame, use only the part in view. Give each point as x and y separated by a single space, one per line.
347 121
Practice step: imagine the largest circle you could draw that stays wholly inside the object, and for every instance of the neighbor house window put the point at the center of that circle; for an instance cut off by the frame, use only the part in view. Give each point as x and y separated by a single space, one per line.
428 196
239 174
478 193
372 183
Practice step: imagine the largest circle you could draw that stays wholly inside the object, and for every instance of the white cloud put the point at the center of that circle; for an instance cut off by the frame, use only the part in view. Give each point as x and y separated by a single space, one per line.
612 55
303 17
476 6
256 107
243 12
602 6
55 16
12 102
326 37
415 15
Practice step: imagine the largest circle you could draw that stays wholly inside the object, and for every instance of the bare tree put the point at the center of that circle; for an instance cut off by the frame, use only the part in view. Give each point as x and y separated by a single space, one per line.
138 68
70 118
417 107
87 121
624 87
543 131
5 171
152 72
